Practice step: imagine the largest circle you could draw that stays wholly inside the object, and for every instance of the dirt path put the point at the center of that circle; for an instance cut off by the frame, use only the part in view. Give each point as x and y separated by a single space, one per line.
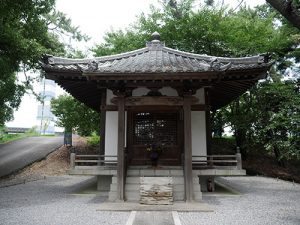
55 164
16 155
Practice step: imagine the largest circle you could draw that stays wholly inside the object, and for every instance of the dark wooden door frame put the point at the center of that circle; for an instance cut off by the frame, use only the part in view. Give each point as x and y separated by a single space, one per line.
130 129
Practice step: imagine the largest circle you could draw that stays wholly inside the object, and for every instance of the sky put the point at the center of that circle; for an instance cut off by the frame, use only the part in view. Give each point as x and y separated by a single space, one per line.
94 18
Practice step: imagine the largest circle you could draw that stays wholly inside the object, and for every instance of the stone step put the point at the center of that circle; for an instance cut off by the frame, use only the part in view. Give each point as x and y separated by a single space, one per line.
198 196
134 196
154 173
132 186
129 180
112 196
136 187
128 187
136 180
180 180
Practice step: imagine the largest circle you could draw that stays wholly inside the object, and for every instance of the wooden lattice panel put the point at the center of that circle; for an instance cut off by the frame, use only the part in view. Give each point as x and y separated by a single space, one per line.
159 128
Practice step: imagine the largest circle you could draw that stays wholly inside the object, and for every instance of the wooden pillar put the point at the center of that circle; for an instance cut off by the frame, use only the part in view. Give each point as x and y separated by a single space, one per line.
121 145
238 159
102 122
207 123
188 170
72 160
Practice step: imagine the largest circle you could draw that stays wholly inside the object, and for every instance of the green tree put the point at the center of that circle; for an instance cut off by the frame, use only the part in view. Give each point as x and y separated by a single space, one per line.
28 29
289 9
277 124
210 30
240 115
74 115
10 97
267 116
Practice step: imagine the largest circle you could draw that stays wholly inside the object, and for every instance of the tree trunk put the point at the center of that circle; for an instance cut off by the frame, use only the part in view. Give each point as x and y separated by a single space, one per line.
288 10
240 133
279 160
240 138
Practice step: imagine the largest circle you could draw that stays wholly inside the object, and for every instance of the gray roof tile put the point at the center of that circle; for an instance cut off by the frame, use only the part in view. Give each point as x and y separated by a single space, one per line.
154 58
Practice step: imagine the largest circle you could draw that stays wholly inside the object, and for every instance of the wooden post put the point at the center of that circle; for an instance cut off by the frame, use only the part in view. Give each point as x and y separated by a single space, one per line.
102 122
239 161
238 158
188 171
121 144
210 161
72 160
207 122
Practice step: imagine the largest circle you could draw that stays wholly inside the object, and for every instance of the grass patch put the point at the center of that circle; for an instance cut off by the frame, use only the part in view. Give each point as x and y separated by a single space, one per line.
5 138
13 137
47 135
93 140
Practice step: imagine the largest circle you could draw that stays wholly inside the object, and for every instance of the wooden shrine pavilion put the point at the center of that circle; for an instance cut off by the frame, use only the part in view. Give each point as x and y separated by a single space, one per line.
154 106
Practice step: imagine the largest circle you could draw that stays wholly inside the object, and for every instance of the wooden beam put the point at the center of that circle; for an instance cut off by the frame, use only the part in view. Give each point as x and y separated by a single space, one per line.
188 172
197 107
151 76
121 145
154 101
227 87
171 83
244 84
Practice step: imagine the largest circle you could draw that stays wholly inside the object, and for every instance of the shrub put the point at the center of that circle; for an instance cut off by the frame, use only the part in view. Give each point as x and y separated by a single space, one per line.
94 139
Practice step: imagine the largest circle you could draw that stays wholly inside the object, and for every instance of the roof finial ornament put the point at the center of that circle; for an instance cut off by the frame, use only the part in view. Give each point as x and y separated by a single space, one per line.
155 36
155 43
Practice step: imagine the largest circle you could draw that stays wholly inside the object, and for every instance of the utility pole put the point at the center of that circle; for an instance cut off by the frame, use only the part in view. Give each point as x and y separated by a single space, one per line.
43 104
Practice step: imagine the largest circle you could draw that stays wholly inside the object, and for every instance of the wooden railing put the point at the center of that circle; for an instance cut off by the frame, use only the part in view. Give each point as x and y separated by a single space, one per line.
93 160
217 161
198 161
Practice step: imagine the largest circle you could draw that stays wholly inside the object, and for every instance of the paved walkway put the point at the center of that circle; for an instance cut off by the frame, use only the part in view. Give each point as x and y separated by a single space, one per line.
135 206
151 218
59 200
16 155
262 201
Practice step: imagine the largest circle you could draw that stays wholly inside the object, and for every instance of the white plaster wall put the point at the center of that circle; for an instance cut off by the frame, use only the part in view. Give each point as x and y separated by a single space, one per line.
198 133
111 133
111 128
109 96
200 95
140 91
168 91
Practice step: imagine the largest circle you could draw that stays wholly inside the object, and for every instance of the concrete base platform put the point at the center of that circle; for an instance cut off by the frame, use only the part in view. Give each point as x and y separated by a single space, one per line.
219 172
178 206
92 170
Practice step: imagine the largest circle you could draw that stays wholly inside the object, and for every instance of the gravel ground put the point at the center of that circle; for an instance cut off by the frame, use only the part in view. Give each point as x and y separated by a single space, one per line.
262 201
50 201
